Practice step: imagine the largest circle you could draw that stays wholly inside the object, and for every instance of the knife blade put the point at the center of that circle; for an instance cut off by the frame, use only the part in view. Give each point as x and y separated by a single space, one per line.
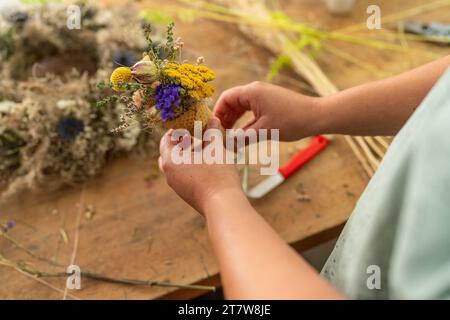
289 168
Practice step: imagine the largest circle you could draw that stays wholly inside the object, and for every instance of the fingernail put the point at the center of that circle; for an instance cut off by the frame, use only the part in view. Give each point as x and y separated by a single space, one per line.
214 123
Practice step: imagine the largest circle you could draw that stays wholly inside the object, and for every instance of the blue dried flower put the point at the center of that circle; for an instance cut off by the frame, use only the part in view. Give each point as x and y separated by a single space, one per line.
69 128
124 58
159 50
18 17
166 98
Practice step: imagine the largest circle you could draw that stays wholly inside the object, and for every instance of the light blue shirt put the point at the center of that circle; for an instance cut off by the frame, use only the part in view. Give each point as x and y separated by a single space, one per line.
399 232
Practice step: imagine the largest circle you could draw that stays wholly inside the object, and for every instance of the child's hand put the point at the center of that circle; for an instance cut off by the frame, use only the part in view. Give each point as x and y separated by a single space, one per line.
197 183
273 107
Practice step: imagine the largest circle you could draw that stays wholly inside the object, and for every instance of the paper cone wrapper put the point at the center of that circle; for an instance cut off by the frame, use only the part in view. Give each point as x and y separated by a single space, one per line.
199 112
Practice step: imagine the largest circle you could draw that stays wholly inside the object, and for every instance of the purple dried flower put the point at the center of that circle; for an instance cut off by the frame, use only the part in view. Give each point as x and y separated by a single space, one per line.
11 224
8 225
166 98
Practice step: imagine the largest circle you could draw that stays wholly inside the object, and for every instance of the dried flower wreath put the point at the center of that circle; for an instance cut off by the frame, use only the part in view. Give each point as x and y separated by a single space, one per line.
51 131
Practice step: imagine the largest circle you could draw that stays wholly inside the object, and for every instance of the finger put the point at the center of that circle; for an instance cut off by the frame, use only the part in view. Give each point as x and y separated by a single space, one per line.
214 123
166 143
250 123
246 134
210 136
160 165
231 105
185 142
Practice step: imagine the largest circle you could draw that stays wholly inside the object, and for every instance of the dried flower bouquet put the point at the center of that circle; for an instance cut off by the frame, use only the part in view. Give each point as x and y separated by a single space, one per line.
161 87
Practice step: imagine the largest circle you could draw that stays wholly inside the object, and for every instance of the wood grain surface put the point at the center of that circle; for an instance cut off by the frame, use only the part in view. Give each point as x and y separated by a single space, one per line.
141 229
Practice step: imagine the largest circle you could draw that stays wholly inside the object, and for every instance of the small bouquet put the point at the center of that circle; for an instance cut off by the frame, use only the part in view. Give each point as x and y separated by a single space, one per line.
162 88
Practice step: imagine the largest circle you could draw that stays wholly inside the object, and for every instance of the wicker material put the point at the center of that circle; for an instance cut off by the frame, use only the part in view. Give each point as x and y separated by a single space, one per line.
200 112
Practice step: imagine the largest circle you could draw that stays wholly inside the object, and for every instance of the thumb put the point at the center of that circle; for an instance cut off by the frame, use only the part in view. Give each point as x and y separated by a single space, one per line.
166 142
214 123
254 124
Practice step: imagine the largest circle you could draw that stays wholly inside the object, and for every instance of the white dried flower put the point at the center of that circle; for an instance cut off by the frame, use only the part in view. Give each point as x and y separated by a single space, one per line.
6 106
65 104
200 60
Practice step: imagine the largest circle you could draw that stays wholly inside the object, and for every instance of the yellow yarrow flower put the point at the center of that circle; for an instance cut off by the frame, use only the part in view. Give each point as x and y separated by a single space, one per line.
193 78
120 75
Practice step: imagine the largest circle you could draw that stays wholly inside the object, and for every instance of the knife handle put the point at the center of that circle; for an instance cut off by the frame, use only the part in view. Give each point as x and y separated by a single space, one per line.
303 156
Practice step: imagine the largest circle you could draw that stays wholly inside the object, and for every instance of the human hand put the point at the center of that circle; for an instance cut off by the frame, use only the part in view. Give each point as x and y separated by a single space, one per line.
196 183
273 107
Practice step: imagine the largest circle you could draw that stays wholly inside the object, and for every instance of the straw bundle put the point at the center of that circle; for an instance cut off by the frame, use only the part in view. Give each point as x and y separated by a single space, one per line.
368 150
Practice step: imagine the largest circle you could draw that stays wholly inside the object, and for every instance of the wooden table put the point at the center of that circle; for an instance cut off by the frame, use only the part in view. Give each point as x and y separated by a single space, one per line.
141 229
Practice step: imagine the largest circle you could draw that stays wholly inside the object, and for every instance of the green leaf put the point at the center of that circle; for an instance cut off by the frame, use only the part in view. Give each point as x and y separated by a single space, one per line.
155 16
41 2
276 67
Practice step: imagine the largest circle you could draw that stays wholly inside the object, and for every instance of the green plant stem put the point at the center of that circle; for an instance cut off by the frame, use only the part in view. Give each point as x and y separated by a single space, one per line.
99 277
29 252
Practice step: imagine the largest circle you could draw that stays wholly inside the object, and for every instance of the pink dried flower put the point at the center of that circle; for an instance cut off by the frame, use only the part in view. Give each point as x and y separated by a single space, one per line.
137 99
155 84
